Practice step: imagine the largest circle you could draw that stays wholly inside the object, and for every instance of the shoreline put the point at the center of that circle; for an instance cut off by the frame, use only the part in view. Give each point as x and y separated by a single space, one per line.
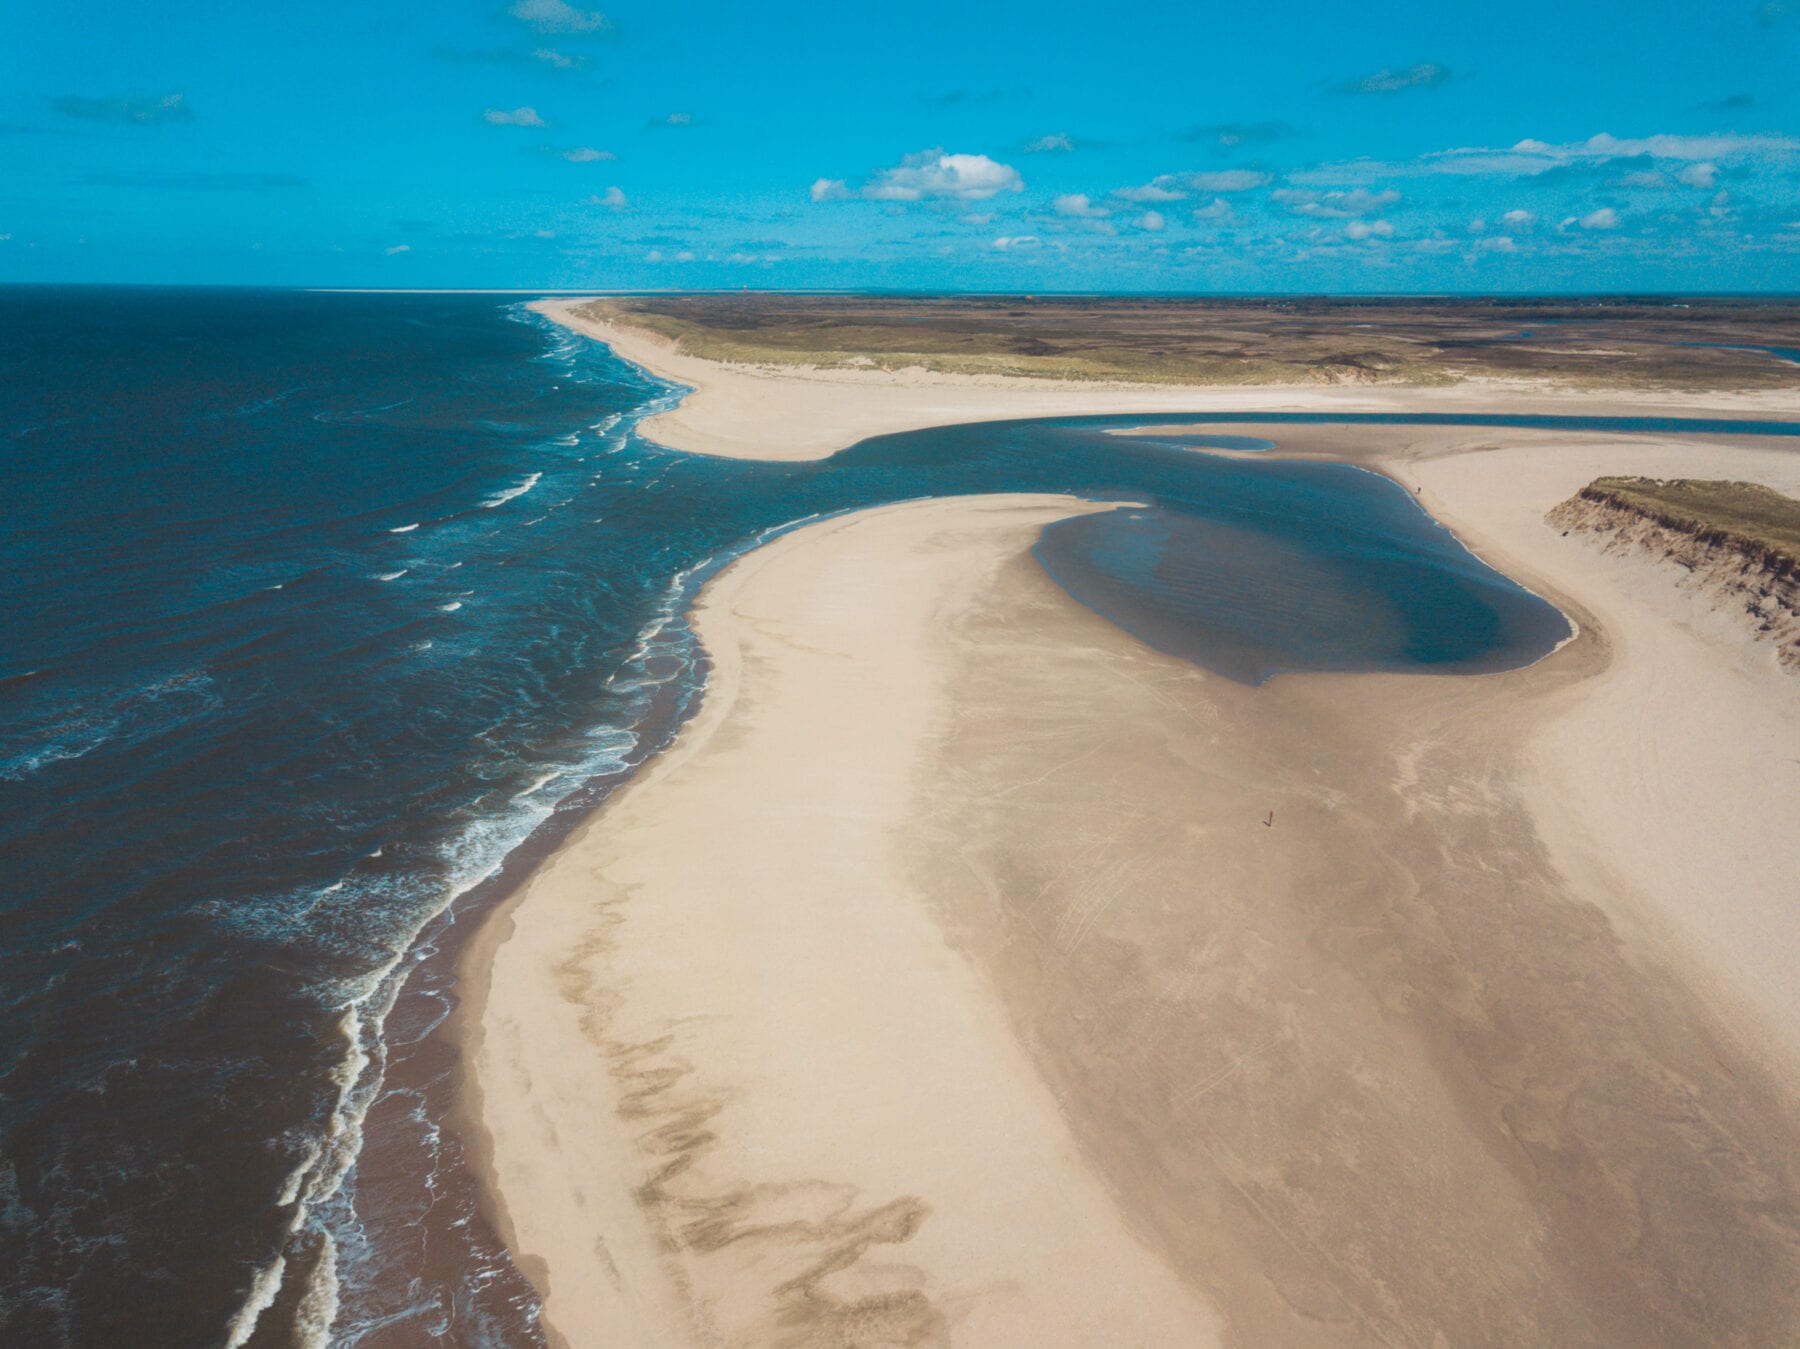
668 1286
792 413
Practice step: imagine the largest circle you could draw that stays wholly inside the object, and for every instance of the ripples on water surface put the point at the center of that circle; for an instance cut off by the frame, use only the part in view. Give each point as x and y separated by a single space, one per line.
318 605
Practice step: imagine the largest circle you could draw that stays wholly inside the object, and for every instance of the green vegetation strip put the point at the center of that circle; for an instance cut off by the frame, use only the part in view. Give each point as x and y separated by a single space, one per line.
1758 520
1613 344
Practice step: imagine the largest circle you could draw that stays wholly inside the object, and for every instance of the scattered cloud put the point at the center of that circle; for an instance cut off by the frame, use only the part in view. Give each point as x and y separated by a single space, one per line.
1178 186
977 218
1603 219
1704 174
1535 158
558 16
1228 136
515 117
1368 229
671 121
587 154
1016 242
199 182
1054 143
536 58
1150 220
1529 158
549 56
398 248
1338 205
1077 204
128 109
1217 209
935 174
831 189
1498 243
613 199
1518 220
1427 75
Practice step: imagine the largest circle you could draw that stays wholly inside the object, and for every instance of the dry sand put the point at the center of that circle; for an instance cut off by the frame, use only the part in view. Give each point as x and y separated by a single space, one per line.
942 984
797 412
739 1087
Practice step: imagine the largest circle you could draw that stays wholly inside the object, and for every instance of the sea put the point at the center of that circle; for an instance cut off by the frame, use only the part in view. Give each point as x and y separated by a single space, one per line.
327 615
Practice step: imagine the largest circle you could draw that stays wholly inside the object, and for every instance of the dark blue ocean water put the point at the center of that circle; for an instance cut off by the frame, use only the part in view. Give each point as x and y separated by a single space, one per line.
318 607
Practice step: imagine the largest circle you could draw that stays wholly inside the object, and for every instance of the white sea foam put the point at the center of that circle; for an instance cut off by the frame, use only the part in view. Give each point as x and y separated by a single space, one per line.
501 498
404 529
451 607
263 1289
392 575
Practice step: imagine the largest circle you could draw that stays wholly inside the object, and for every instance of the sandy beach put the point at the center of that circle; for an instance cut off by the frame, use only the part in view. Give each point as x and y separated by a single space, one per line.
943 984
793 412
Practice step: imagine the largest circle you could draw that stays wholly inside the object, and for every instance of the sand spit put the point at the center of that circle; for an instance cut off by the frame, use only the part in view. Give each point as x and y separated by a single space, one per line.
792 412
943 983
739 1088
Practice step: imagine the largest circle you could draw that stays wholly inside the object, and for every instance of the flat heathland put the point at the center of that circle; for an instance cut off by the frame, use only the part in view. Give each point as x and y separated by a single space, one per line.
1612 343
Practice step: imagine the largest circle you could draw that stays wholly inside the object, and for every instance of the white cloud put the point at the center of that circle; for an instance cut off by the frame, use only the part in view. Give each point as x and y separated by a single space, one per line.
674 119
587 154
1529 158
1703 174
1078 204
1334 205
1518 220
1056 143
1177 186
830 189
516 117
1499 243
558 16
1150 220
557 60
613 199
1014 242
398 248
1218 209
1602 218
1368 229
978 218
932 173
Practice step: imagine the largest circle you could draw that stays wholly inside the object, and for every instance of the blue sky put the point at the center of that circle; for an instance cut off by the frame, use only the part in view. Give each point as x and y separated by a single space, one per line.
1290 145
